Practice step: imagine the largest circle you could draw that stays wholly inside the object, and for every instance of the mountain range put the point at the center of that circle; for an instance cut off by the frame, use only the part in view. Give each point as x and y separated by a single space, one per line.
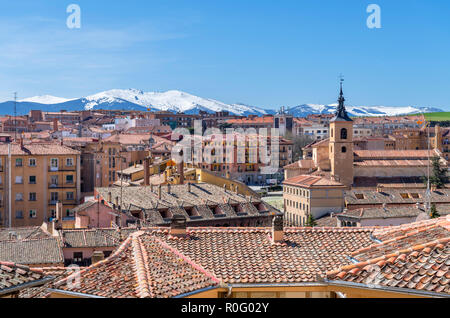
181 102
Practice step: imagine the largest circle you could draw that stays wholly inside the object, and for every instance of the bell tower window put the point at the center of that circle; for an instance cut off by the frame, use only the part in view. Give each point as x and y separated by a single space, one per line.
344 149
343 133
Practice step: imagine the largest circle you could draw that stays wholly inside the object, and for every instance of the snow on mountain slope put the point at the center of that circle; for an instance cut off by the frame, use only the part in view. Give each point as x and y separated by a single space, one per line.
175 101
46 99
181 102
355 111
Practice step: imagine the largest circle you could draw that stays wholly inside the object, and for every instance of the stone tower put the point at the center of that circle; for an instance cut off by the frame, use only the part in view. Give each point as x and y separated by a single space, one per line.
341 144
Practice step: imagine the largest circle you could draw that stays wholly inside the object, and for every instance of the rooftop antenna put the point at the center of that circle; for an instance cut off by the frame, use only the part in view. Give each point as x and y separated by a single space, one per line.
15 116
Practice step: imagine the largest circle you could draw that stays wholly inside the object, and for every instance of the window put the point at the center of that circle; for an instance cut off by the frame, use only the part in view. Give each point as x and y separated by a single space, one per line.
359 196
343 133
69 162
54 180
54 163
69 179
32 196
0 179
54 196
19 179
19 196
19 214
69 196
32 162
19 162
344 149
32 214
53 213
32 179
78 257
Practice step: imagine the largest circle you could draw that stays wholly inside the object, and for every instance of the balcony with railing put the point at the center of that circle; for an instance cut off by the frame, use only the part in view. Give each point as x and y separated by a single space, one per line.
58 185
61 168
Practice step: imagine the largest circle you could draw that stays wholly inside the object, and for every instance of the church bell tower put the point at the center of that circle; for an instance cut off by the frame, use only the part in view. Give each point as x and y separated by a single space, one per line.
341 144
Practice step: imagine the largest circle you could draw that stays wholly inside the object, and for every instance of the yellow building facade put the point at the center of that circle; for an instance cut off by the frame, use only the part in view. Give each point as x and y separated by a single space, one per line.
33 179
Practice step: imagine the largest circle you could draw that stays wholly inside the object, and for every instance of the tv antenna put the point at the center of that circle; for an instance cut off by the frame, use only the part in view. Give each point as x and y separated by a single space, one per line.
15 116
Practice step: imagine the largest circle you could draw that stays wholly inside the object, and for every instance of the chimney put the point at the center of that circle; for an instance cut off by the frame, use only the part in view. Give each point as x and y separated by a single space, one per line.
178 226
146 171
55 124
189 187
418 205
168 188
21 142
116 202
159 192
237 189
225 188
277 229
180 168
151 187
97 256
59 208
109 199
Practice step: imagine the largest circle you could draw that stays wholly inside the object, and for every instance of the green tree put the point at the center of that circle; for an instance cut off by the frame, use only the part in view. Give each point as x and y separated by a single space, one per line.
311 222
438 175
434 213
299 142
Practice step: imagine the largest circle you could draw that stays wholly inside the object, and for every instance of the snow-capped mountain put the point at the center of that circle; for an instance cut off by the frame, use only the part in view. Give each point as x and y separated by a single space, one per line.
356 111
174 101
181 102
46 99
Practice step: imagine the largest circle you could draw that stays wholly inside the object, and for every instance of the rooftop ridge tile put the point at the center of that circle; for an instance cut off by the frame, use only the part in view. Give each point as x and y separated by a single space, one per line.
392 257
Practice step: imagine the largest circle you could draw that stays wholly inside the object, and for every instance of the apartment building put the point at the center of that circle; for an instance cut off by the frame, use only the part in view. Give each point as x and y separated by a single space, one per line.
306 195
33 178
239 157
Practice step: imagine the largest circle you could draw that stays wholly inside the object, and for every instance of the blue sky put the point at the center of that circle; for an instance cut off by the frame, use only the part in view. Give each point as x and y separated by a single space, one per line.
258 52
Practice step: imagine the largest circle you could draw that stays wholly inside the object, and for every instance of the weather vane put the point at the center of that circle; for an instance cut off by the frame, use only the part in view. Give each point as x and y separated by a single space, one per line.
341 77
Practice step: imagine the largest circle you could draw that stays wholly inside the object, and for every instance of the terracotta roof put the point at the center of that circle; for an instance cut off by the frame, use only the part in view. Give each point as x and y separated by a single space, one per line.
82 207
301 164
32 251
394 196
310 181
254 120
156 264
200 194
389 233
143 267
391 163
129 139
418 260
37 149
304 254
394 154
20 233
411 211
15 277
81 238
57 273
